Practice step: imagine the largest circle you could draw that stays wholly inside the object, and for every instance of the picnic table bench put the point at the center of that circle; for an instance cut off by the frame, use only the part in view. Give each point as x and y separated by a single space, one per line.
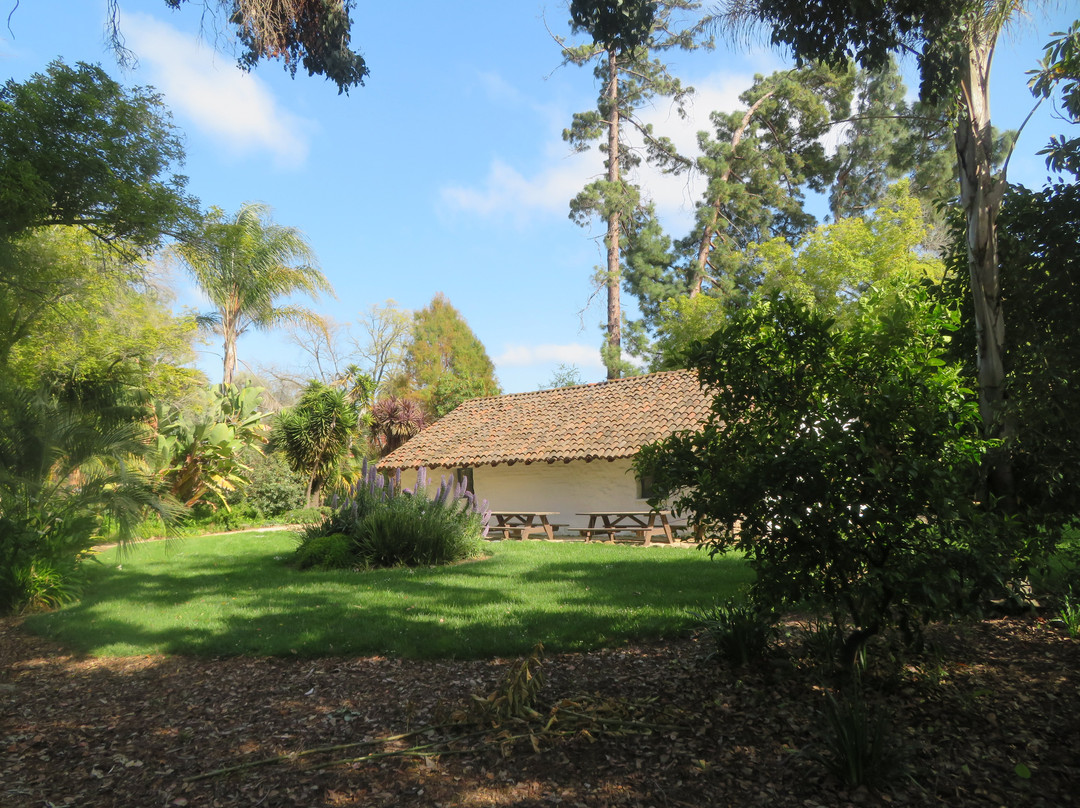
522 524
643 524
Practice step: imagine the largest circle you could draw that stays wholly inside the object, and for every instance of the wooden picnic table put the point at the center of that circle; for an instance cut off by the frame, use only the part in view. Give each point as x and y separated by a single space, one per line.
645 524
524 523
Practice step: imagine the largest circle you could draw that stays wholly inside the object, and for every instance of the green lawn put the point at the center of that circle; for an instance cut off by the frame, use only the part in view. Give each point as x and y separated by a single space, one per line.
226 595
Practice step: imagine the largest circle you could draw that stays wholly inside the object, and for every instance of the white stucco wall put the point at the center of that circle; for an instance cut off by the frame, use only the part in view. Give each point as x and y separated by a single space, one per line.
569 488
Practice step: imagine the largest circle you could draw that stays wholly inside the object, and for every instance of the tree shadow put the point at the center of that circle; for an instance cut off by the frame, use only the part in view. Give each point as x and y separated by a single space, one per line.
254 604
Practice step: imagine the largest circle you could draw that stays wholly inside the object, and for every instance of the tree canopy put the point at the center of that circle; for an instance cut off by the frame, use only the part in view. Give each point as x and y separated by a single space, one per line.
826 270
840 460
445 361
314 33
77 148
956 44
626 36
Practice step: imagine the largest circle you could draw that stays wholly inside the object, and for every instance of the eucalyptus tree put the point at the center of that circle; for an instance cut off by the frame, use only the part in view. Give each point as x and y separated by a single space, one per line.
245 264
1060 69
956 43
625 34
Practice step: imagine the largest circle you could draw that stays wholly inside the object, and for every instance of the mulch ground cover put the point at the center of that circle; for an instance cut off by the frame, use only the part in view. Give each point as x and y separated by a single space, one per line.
989 717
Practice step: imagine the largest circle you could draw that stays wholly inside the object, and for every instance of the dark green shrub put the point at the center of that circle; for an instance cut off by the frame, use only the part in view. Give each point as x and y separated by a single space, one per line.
331 552
206 518
844 462
411 531
274 488
740 631
306 516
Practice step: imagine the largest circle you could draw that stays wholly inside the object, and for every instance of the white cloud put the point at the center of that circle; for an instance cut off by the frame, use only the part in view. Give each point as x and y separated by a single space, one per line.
232 107
507 192
584 356
675 195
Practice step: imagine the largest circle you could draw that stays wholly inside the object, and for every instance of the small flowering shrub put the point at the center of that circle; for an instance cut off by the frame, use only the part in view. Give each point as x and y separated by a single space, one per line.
386 525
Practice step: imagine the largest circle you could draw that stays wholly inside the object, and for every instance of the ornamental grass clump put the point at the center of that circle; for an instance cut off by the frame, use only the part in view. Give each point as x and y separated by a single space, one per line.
858 748
741 631
387 526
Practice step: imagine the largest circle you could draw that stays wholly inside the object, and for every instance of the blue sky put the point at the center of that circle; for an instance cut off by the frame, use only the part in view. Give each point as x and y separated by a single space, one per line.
447 171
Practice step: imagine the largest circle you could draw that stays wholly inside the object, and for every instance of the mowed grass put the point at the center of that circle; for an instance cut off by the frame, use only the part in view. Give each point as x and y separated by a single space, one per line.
229 595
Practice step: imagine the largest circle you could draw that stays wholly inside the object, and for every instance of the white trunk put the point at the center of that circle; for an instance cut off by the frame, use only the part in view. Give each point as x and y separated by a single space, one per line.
980 198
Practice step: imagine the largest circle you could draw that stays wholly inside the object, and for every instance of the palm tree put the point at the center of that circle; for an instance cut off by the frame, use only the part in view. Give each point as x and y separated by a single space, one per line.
245 264
72 472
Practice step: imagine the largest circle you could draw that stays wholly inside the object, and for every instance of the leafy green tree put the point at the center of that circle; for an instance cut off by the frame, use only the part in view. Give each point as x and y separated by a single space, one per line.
956 43
681 321
69 307
445 360
78 149
316 435
1060 69
245 264
761 162
827 270
624 35
834 264
758 166
842 461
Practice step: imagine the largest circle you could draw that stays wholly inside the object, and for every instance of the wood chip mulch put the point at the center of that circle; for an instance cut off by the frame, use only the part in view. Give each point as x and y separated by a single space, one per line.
991 717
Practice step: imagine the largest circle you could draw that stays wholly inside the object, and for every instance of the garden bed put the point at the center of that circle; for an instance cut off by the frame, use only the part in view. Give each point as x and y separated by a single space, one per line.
990 719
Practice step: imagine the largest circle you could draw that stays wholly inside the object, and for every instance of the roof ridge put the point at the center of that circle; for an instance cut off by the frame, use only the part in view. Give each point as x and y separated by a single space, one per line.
625 379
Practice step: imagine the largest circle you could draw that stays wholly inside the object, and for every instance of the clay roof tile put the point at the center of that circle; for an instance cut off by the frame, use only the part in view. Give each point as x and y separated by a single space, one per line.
606 420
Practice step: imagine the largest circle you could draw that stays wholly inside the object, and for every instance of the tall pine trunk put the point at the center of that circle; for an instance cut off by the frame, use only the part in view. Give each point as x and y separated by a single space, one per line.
613 357
711 228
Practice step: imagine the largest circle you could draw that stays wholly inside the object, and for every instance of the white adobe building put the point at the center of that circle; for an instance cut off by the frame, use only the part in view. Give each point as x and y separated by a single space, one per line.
568 450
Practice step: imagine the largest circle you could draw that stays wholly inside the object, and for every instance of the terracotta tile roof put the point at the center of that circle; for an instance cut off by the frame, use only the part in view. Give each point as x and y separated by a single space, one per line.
594 421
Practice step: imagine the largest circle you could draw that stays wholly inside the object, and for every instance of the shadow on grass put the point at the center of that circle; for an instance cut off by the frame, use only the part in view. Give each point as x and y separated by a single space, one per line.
252 603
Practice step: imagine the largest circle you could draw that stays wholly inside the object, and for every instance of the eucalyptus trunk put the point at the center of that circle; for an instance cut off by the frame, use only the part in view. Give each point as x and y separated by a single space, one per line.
980 198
